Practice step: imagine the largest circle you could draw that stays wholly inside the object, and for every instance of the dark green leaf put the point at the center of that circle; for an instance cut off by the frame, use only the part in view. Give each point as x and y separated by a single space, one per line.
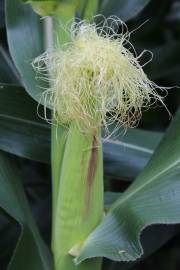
2 20
124 9
23 133
30 252
166 61
8 73
110 198
26 41
125 155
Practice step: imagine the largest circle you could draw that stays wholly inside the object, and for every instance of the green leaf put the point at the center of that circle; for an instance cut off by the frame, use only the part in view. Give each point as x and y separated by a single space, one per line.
153 238
8 73
166 61
153 198
124 9
2 21
8 226
110 198
23 133
25 40
30 252
125 155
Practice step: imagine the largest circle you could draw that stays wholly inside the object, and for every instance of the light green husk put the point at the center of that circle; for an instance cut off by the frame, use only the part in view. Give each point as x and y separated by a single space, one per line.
79 204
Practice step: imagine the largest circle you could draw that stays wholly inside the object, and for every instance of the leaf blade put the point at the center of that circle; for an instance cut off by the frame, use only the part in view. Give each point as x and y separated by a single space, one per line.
25 40
13 201
125 9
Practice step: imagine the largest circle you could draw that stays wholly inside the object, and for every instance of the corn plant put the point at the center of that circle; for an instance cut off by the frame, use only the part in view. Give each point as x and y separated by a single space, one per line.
75 97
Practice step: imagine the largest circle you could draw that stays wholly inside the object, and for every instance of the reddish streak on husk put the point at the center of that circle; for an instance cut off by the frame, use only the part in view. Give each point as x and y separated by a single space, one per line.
91 171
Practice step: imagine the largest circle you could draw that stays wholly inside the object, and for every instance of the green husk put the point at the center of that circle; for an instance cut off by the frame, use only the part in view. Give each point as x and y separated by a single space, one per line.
58 142
79 204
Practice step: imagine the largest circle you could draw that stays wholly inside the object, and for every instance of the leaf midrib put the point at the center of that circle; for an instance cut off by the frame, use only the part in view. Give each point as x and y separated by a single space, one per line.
129 145
26 121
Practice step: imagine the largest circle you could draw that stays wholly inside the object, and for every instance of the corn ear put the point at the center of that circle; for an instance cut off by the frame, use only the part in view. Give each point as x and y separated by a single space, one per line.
79 204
